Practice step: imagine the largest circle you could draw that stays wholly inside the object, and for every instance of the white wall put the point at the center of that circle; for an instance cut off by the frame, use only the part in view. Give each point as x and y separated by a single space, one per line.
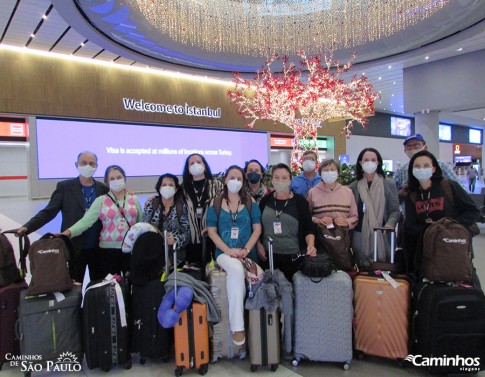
13 162
446 152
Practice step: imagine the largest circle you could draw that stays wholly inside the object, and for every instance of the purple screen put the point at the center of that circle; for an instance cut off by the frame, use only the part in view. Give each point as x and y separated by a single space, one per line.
141 150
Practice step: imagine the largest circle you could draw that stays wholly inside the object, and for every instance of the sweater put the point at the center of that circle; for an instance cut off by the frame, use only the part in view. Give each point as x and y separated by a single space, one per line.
336 203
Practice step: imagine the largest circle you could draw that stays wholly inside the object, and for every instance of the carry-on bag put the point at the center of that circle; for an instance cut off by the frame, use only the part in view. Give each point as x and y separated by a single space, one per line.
9 305
323 318
150 339
49 326
382 307
105 324
264 332
448 325
191 336
9 272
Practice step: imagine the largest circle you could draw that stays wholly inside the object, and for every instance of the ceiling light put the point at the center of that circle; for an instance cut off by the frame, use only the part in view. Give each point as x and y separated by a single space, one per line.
82 44
380 78
32 35
426 58
389 67
460 49
283 26
44 17
394 82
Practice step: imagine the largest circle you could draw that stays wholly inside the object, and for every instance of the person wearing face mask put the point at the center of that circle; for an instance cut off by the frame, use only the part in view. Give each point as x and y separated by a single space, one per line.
428 201
72 198
199 189
254 174
287 219
330 202
378 206
412 145
118 210
234 231
308 177
167 211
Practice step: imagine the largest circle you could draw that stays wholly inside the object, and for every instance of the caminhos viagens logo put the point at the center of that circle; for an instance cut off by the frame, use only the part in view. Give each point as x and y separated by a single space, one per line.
462 364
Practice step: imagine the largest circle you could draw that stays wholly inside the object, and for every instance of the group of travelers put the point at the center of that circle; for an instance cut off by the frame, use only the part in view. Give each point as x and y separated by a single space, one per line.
240 213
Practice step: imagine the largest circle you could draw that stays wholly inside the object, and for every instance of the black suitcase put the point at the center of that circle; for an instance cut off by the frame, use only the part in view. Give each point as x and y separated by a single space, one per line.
105 330
449 325
50 328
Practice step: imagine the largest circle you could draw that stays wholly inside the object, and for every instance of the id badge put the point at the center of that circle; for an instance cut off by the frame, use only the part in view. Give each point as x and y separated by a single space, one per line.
234 233
277 227
330 226
198 212
122 224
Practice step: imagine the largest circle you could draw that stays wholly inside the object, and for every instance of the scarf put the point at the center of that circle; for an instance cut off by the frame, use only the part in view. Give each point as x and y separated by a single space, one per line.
374 200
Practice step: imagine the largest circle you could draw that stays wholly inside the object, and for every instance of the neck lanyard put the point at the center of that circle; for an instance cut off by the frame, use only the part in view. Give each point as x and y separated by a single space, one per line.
278 213
426 202
120 209
233 215
88 198
197 196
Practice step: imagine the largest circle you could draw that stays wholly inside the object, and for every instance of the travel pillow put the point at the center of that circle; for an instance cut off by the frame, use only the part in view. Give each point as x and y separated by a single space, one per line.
171 307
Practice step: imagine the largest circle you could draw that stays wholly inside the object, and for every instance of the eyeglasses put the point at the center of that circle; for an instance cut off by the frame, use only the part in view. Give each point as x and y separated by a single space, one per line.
413 145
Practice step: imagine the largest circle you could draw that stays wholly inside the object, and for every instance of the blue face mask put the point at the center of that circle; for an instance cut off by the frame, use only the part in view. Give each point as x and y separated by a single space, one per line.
423 175
253 177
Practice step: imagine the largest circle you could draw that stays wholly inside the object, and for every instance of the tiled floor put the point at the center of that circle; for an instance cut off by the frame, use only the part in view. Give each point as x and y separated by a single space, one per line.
15 211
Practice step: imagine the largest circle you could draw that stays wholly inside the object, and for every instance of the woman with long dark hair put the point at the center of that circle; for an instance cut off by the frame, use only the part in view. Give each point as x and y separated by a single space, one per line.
377 204
199 189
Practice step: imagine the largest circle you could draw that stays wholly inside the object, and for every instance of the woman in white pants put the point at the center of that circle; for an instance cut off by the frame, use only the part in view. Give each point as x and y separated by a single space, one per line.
235 231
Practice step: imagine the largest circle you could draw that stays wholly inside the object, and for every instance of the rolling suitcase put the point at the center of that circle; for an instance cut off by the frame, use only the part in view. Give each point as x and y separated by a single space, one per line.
50 327
150 339
191 336
9 305
105 325
448 326
382 307
221 344
323 318
264 332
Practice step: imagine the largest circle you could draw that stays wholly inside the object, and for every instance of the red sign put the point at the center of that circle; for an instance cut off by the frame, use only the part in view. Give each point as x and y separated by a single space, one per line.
281 142
9 129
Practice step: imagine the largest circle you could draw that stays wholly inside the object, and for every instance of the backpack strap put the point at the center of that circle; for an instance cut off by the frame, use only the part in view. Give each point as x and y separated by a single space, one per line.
248 202
179 206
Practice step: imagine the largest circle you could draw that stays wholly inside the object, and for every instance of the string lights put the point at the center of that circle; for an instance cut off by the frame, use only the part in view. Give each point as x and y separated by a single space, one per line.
254 27
302 97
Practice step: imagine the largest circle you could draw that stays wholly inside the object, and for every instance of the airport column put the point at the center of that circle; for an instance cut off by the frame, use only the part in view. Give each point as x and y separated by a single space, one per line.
426 123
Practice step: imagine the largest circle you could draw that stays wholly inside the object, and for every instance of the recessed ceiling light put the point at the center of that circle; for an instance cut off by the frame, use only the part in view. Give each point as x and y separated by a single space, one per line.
460 49
389 67
82 44
394 82
426 58
392 95
380 78
32 35
44 17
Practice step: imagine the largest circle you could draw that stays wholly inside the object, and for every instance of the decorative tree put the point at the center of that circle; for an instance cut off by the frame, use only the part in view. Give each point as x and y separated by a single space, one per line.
302 97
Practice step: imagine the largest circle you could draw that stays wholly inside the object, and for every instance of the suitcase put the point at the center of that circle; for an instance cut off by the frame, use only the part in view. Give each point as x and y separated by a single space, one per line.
264 332
449 320
150 339
323 319
9 304
382 308
221 344
51 329
191 336
105 325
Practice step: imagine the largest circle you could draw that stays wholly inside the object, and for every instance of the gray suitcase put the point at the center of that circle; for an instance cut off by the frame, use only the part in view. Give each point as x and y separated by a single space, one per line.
323 318
264 333
49 328
221 344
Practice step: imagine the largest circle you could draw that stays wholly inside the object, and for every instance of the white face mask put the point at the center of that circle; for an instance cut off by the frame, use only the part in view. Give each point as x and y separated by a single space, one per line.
117 185
196 169
167 192
329 177
423 175
369 167
86 171
281 186
308 166
412 152
234 186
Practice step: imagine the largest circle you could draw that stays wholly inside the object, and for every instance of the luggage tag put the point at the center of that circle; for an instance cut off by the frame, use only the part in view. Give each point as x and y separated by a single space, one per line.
234 233
330 226
277 227
390 279
198 212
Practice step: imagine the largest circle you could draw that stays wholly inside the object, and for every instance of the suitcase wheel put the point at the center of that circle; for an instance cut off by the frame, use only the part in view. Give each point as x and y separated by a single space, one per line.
1 365
346 365
402 363
359 355
295 362
274 367
179 371
142 360
204 368
254 368
127 364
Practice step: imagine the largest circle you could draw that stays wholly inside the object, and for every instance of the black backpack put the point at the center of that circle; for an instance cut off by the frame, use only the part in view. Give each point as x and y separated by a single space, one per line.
9 272
147 258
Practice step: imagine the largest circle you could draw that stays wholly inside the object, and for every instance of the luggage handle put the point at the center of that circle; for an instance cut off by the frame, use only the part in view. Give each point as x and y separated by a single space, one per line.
24 246
393 236
270 255
167 259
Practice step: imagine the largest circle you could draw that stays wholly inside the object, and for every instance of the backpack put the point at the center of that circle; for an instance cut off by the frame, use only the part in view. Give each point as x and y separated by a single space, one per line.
447 252
9 272
319 266
49 265
336 242
147 258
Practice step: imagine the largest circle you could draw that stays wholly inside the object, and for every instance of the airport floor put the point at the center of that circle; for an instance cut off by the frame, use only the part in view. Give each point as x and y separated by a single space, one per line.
16 211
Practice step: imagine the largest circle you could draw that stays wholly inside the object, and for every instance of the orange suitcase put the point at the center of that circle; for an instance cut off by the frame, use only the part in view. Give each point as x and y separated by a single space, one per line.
381 315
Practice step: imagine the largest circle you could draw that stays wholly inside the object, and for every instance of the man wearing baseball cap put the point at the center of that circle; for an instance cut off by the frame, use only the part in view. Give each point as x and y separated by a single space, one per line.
412 145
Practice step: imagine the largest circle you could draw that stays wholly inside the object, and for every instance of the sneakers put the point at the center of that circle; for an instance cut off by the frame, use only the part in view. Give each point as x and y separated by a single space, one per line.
238 338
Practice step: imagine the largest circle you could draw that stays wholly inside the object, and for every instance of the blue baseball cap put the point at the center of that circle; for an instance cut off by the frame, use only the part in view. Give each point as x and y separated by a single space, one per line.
414 137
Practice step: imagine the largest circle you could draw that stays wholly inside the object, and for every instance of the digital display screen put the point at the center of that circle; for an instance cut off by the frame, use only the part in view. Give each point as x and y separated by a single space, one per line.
141 150
475 136
400 126
444 132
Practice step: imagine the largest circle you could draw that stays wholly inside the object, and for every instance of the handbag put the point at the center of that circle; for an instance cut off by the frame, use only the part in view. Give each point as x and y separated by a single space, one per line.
319 266
336 242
